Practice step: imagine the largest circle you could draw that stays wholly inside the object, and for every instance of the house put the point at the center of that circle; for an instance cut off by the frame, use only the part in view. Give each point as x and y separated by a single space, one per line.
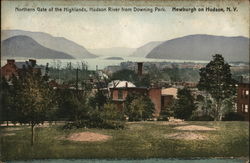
120 84
119 94
243 99
14 68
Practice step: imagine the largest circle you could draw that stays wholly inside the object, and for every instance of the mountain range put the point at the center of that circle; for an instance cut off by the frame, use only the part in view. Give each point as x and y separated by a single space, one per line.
202 47
24 46
60 44
19 43
145 49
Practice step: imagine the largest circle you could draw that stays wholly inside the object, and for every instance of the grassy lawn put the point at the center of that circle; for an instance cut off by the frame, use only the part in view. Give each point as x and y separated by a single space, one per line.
138 140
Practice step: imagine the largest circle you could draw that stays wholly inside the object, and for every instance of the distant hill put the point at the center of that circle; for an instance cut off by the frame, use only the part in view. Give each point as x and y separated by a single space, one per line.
202 47
145 49
115 51
24 46
55 43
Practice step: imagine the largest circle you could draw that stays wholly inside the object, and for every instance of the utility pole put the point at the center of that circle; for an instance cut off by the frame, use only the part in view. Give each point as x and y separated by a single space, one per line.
77 81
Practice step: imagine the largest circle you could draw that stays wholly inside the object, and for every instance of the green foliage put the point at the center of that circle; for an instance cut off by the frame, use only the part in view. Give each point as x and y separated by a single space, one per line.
129 75
176 74
109 118
144 81
228 105
6 101
154 72
166 113
138 107
173 74
201 118
184 105
125 74
98 100
72 104
68 74
32 97
216 79
112 117
111 112
233 116
205 106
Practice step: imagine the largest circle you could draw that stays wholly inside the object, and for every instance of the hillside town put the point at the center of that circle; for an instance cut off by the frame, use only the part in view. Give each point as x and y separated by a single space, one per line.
162 93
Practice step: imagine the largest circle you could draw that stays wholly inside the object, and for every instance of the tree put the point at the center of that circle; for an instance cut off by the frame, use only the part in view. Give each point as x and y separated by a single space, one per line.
167 112
98 100
129 75
184 105
204 104
73 104
112 117
32 98
5 102
125 74
144 81
216 79
138 107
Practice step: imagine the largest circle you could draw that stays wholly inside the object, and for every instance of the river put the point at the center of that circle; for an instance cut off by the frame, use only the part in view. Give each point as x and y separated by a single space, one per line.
101 62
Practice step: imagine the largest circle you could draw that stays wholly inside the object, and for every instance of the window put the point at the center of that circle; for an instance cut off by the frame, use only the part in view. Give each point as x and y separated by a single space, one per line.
246 108
242 107
120 95
247 92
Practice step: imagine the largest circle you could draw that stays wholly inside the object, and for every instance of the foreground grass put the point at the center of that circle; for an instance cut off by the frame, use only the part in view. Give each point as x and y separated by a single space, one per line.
138 140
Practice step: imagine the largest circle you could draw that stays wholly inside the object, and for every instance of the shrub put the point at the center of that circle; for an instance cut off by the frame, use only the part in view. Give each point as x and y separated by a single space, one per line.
166 113
202 118
108 118
233 116
112 117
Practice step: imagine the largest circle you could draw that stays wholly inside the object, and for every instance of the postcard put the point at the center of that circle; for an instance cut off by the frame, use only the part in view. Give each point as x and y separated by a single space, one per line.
124 81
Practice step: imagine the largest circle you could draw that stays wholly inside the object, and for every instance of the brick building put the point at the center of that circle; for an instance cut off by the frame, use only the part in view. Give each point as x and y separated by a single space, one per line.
14 68
243 99
119 96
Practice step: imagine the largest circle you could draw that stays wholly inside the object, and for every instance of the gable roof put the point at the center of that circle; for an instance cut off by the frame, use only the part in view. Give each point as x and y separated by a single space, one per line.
120 84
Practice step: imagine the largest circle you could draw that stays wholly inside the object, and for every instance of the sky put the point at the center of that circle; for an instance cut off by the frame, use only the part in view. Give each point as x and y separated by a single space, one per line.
126 29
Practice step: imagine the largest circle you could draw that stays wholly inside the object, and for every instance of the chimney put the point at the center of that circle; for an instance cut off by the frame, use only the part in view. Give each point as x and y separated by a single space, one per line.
32 62
10 61
139 65
126 84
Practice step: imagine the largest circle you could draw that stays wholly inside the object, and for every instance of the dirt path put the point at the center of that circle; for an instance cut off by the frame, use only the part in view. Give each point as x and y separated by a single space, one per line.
194 128
88 137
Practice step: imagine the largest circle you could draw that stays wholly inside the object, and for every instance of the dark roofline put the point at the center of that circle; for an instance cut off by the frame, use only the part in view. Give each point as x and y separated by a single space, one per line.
140 88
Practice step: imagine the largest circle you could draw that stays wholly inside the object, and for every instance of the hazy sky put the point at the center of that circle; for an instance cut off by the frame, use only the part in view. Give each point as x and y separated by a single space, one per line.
126 29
